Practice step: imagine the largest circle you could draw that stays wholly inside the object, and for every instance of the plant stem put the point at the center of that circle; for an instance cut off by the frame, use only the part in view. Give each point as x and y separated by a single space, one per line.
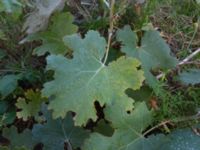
110 30
184 61
189 57
107 4
193 36
12 70
157 126
164 123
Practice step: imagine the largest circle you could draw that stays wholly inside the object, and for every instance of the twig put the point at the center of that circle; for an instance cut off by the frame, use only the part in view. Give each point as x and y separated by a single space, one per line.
83 11
110 30
184 61
86 3
157 126
69 146
160 76
107 4
188 118
189 57
171 122
193 62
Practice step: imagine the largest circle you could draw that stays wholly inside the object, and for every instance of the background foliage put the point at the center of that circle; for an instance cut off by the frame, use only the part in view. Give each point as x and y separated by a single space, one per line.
97 74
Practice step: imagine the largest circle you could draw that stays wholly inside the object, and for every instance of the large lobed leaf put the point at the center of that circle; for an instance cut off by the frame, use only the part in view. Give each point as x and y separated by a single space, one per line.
128 134
153 53
81 81
56 133
19 140
128 130
53 134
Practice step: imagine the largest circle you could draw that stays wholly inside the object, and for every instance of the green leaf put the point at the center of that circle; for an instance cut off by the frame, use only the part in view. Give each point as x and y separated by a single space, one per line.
8 118
19 139
62 24
143 94
55 133
182 139
3 107
154 53
85 79
11 6
30 106
191 76
8 84
104 128
128 129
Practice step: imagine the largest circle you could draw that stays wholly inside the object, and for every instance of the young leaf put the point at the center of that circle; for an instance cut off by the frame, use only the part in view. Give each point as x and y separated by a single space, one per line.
29 106
81 81
192 76
128 129
52 38
153 52
55 133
